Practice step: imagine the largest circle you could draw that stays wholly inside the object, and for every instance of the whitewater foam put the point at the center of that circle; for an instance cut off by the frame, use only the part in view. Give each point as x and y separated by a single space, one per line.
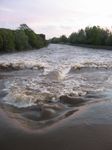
57 65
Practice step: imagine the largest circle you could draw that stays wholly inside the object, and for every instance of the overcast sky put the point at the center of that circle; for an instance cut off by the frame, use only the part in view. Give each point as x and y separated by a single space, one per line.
55 17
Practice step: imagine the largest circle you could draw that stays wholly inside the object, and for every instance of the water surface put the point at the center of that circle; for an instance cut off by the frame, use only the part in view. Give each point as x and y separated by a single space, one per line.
58 85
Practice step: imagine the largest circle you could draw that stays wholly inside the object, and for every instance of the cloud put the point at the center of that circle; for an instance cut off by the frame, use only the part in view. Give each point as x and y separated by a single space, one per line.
3 9
55 17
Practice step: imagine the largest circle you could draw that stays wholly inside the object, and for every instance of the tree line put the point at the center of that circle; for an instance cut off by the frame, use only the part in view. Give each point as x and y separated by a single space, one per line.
90 35
20 39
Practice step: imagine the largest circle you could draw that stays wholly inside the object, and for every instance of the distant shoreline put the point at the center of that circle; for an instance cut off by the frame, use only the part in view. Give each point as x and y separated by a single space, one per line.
92 46
88 46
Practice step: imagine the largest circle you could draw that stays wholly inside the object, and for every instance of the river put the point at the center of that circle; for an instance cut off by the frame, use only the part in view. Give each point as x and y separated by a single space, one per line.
60 91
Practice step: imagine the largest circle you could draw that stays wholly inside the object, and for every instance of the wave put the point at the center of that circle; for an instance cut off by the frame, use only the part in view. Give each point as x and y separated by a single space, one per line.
6 66
28 92
88 66
55 75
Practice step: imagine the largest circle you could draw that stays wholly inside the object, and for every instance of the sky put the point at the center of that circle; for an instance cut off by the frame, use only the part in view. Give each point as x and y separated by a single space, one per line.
55 17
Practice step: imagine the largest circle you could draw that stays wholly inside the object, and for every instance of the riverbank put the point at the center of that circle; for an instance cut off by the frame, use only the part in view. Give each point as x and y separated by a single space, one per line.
92 46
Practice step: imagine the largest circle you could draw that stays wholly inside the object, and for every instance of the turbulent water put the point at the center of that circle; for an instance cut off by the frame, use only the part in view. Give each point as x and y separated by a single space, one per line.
47 85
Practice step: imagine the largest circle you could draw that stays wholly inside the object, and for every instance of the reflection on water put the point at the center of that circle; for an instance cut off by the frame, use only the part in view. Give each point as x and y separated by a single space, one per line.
44 86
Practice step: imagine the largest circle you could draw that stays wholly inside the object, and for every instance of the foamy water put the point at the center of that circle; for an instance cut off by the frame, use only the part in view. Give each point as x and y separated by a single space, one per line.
44 75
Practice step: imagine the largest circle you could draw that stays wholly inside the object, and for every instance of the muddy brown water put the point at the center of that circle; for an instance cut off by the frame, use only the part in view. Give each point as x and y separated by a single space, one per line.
59 97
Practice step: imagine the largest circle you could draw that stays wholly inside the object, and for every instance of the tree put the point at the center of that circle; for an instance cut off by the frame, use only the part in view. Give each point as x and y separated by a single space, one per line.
73 38
8 39
24 27
81 36
109 40
96 35
21 40
63 39
1 43
54 40
34 40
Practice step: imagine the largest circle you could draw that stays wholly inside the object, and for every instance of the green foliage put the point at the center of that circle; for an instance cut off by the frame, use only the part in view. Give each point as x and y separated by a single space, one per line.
61 39
81 36
24 27
35 40
54 40
1 43
96 35
109 40
32 38
73 38
90 35
21 39
7 37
